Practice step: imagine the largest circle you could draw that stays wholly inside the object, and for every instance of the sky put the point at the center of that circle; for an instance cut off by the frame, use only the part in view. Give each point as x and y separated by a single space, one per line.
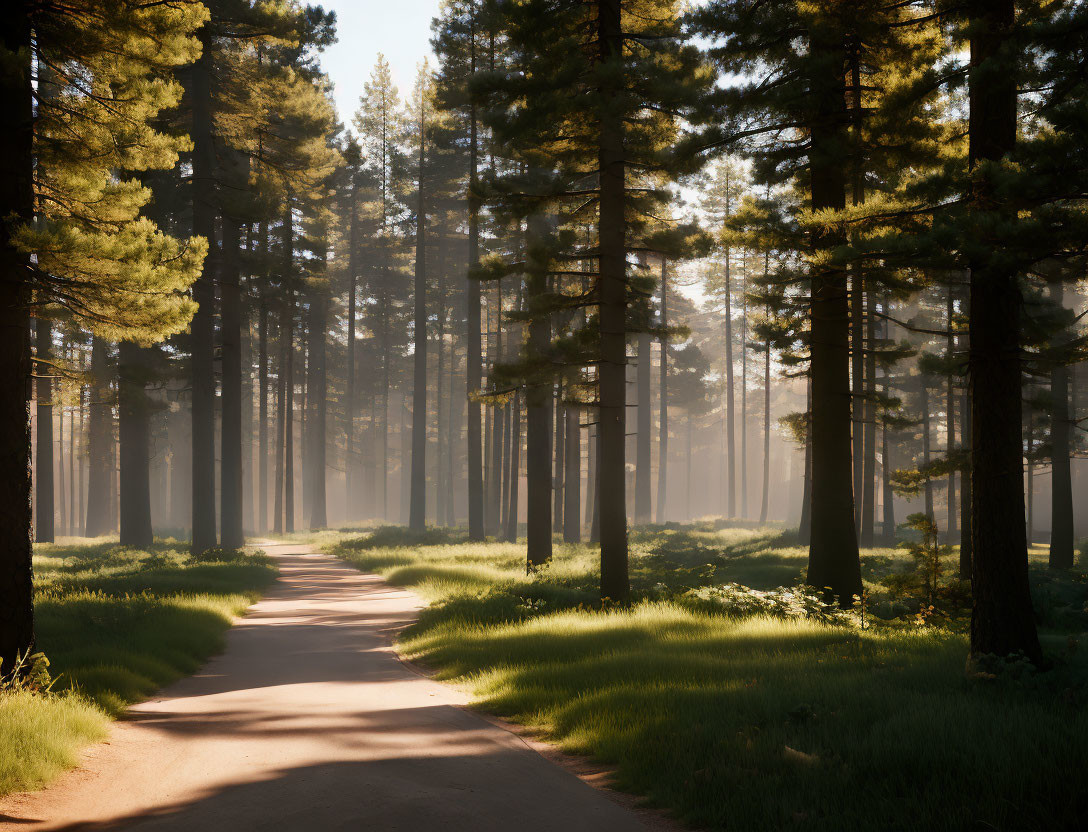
399 29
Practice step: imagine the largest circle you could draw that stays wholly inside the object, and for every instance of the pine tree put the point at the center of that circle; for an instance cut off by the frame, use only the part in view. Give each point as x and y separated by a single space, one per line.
92 253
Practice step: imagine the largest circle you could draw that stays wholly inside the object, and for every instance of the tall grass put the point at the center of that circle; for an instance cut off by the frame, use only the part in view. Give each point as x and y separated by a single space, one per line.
752 723
116 624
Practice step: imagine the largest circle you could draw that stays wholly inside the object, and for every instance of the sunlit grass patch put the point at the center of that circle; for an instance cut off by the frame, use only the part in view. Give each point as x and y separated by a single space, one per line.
753 722
116 623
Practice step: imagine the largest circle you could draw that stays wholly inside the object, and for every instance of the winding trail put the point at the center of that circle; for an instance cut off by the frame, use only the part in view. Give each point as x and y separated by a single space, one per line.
308 721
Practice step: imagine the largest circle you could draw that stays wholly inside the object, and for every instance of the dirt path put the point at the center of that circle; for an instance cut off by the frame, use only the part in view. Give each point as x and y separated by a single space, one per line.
308 721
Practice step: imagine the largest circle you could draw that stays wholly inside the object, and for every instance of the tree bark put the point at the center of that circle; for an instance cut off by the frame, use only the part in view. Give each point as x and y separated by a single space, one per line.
572 479
99 439
663 405
515 472
202 329
923 396
612 291
230 324
1002 621
642 433
833 550
262 407
868 475
16 206
473 358
730 390
538 427
417 510
966 496
1061 514
318 393
134 439
44 485
559 412
950 416
766 432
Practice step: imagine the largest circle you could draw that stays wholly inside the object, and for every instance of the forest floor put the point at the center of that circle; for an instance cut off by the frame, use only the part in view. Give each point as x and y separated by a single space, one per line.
116 624
757 710
308 721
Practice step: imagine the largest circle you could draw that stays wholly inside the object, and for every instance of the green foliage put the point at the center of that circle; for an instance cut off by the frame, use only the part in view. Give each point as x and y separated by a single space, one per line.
104 76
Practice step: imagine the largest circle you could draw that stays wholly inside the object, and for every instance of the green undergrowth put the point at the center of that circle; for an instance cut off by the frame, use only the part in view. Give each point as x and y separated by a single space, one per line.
779 719
116 624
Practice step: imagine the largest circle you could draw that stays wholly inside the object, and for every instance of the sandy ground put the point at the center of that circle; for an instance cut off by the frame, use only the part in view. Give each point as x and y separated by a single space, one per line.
308 721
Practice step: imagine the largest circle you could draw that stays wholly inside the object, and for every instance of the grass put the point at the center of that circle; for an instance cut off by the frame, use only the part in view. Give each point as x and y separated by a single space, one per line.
751 722
116 625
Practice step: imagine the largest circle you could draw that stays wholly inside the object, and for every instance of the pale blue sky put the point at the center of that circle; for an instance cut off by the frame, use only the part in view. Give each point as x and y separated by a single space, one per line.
399 29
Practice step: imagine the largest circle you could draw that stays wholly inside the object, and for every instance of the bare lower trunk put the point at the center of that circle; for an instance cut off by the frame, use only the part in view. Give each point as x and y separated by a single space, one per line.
230 468
134 440
202 329
1061 515
473 358
663 394
572 480
317 387
642 432
99 440
612 292
833 550
515 472
1002 621
44 486
16 205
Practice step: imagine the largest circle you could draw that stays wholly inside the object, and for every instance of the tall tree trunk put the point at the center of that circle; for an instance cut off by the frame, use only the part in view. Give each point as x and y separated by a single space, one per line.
558 482
642 432
804 525
1002 621
888 495
202 329
572 478
317 389
744 400
923 380
288 330
538 420
612 292
262 413
350 462
690 423
281 418
494 483
99 439
1061 513
44 486
833 550
950 419
766 432
515 472
230 467
965 492
442 404
730 389
473 358
417 511
16 206
663 403
868 474
591 482
134 438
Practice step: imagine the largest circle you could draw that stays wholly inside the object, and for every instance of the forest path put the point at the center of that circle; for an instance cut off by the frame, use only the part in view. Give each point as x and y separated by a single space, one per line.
308 721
